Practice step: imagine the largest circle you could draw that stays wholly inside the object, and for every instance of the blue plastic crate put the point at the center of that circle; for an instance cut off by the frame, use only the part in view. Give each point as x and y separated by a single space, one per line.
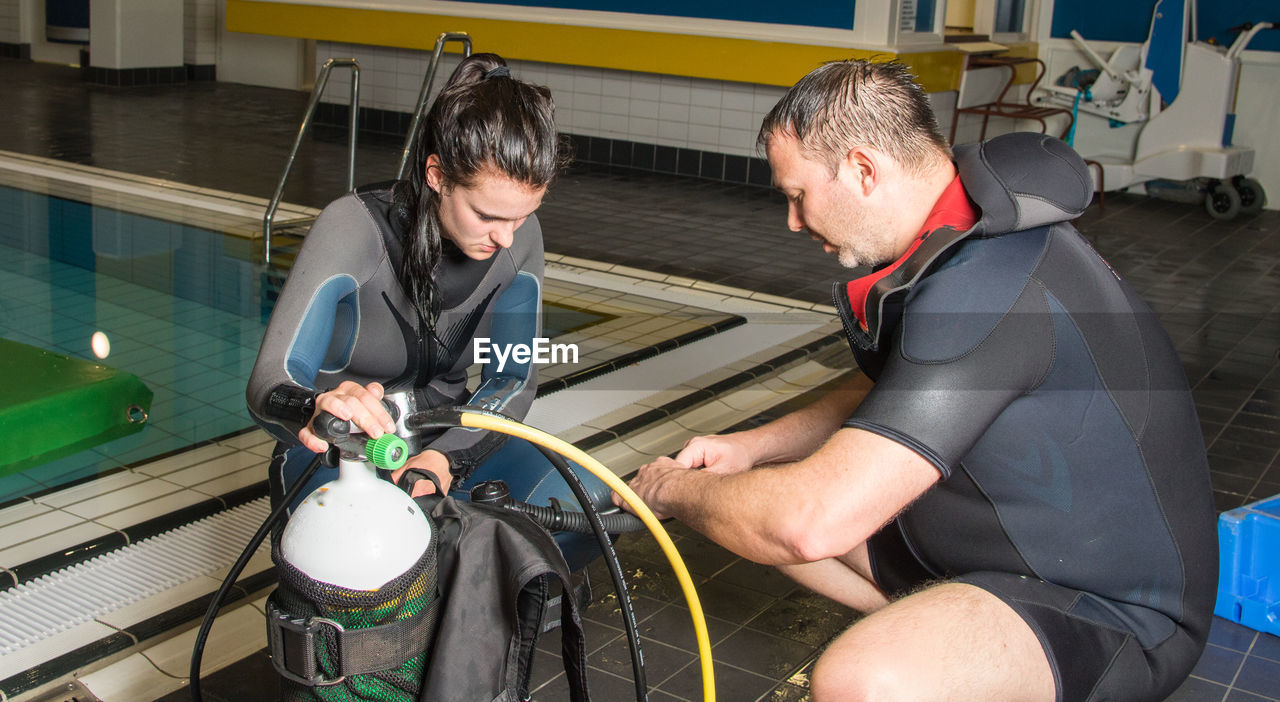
1249 565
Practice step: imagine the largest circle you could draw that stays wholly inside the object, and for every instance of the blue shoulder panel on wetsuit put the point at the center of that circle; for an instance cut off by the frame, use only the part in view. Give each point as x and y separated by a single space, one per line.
516 316
313 349
947 316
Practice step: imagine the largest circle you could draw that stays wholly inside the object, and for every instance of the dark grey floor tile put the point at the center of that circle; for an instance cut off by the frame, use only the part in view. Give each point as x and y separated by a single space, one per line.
701 557
1236 484
1198 690
807 624
1259 676
673 625
1242 696
753 576
602 686
1237 466
786 692
644 579
1252 437
1218 664
765 654
251 679
1224 501
1228 634
731 602
1242 451
660 660
1267 646
606 610
730 683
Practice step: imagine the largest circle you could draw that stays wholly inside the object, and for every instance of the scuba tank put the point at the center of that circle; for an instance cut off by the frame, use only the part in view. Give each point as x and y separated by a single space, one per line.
375 526
357 602
333 638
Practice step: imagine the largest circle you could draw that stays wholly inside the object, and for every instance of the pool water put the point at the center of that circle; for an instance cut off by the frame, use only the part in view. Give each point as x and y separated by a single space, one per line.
183 308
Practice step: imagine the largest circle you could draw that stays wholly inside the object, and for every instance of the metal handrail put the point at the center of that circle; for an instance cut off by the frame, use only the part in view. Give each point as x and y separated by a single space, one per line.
444 38
302 130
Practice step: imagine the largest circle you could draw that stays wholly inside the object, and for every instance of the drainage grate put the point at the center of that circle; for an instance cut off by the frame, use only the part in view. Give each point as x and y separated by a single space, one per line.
69 597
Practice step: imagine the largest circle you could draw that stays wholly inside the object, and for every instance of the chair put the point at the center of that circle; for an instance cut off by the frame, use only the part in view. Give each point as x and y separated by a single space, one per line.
1012 110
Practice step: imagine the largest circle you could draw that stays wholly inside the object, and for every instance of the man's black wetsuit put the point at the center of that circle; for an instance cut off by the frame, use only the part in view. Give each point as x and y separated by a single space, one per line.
1074 480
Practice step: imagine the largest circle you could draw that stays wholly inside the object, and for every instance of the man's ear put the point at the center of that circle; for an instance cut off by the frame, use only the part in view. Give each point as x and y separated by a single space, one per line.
862 169
435 177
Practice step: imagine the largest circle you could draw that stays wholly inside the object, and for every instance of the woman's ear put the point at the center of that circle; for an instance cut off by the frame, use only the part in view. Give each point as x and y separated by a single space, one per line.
435 177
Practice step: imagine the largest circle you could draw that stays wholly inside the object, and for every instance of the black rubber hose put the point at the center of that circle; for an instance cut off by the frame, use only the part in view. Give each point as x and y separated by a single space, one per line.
197 653
611 559
554 519
452 417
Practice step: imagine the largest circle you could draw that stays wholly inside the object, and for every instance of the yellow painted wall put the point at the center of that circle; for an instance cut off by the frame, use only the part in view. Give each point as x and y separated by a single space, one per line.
717 58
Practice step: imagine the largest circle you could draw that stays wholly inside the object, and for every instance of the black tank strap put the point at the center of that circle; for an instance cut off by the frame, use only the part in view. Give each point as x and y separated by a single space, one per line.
294 644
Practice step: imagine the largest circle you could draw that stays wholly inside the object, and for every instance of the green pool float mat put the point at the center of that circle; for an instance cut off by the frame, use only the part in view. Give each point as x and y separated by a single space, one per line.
54 405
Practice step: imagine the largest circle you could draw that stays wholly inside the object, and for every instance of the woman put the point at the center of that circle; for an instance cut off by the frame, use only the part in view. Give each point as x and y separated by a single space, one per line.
394 281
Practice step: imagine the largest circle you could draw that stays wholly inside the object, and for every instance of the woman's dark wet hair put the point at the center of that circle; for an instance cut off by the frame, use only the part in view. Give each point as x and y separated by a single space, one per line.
482 119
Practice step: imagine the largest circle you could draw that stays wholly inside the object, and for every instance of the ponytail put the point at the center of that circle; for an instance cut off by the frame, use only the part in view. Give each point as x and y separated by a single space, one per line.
482 119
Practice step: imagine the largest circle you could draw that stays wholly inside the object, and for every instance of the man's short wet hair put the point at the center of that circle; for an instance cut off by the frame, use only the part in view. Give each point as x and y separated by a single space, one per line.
844 104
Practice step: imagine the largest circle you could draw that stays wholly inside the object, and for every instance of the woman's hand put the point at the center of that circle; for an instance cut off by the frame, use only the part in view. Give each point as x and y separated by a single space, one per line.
433 461
359 404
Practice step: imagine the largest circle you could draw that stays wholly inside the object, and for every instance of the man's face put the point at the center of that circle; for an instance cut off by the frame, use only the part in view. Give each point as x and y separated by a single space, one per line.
833 210
482 218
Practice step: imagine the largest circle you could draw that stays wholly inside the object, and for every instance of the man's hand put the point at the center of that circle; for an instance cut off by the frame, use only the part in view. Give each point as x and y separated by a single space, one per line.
719 454
359 404
430 460
649 482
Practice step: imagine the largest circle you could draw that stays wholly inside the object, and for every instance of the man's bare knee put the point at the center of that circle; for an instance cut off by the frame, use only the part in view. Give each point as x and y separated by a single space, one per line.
856 673
949 642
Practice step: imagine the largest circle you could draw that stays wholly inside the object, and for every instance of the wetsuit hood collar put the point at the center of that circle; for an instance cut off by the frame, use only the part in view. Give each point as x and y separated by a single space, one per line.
1016 182
1021 181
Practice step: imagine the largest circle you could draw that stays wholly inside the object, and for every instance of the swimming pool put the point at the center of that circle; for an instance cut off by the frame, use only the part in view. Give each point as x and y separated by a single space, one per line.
183 307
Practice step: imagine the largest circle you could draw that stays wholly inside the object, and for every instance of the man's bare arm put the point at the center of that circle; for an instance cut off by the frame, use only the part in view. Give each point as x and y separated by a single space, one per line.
788 438
819 507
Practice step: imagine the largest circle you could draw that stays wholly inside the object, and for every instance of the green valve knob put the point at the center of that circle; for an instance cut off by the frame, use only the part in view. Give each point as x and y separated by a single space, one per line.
388 451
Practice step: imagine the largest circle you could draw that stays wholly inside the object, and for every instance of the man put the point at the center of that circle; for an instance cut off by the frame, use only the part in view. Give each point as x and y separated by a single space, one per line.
1021 502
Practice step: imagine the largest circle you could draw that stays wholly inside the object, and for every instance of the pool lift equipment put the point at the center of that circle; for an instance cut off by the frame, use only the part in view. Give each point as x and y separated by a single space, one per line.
1185 92
381 536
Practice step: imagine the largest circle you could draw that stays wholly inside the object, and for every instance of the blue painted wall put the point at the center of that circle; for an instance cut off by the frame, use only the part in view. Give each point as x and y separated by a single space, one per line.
1130 20
808 13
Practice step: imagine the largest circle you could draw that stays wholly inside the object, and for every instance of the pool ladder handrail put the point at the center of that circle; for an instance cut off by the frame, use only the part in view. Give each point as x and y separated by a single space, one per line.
321 80
425 91
410 138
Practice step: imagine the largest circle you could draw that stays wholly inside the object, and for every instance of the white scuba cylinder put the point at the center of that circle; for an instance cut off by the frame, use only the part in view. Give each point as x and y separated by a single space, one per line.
358 532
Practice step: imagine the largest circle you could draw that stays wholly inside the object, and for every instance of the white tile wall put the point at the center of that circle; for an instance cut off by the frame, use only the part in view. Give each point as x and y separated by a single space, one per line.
710 115
9 19
200 27
676 111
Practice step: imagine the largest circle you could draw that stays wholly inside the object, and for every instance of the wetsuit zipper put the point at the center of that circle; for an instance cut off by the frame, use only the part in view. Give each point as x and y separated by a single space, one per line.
843 311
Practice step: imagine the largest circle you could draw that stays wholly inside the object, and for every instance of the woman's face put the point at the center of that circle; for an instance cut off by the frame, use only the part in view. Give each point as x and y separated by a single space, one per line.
482 218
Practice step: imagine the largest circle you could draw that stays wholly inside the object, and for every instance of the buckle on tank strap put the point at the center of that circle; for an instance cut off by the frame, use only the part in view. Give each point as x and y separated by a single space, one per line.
293 644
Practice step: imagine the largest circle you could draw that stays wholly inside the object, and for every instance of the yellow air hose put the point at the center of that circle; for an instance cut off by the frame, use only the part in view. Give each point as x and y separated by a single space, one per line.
573 453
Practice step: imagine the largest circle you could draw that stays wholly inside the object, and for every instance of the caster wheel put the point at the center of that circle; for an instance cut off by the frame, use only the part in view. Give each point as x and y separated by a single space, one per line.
1252 197
1222 201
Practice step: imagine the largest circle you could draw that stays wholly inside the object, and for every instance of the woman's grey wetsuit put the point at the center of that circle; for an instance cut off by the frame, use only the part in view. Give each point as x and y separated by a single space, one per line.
343 315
